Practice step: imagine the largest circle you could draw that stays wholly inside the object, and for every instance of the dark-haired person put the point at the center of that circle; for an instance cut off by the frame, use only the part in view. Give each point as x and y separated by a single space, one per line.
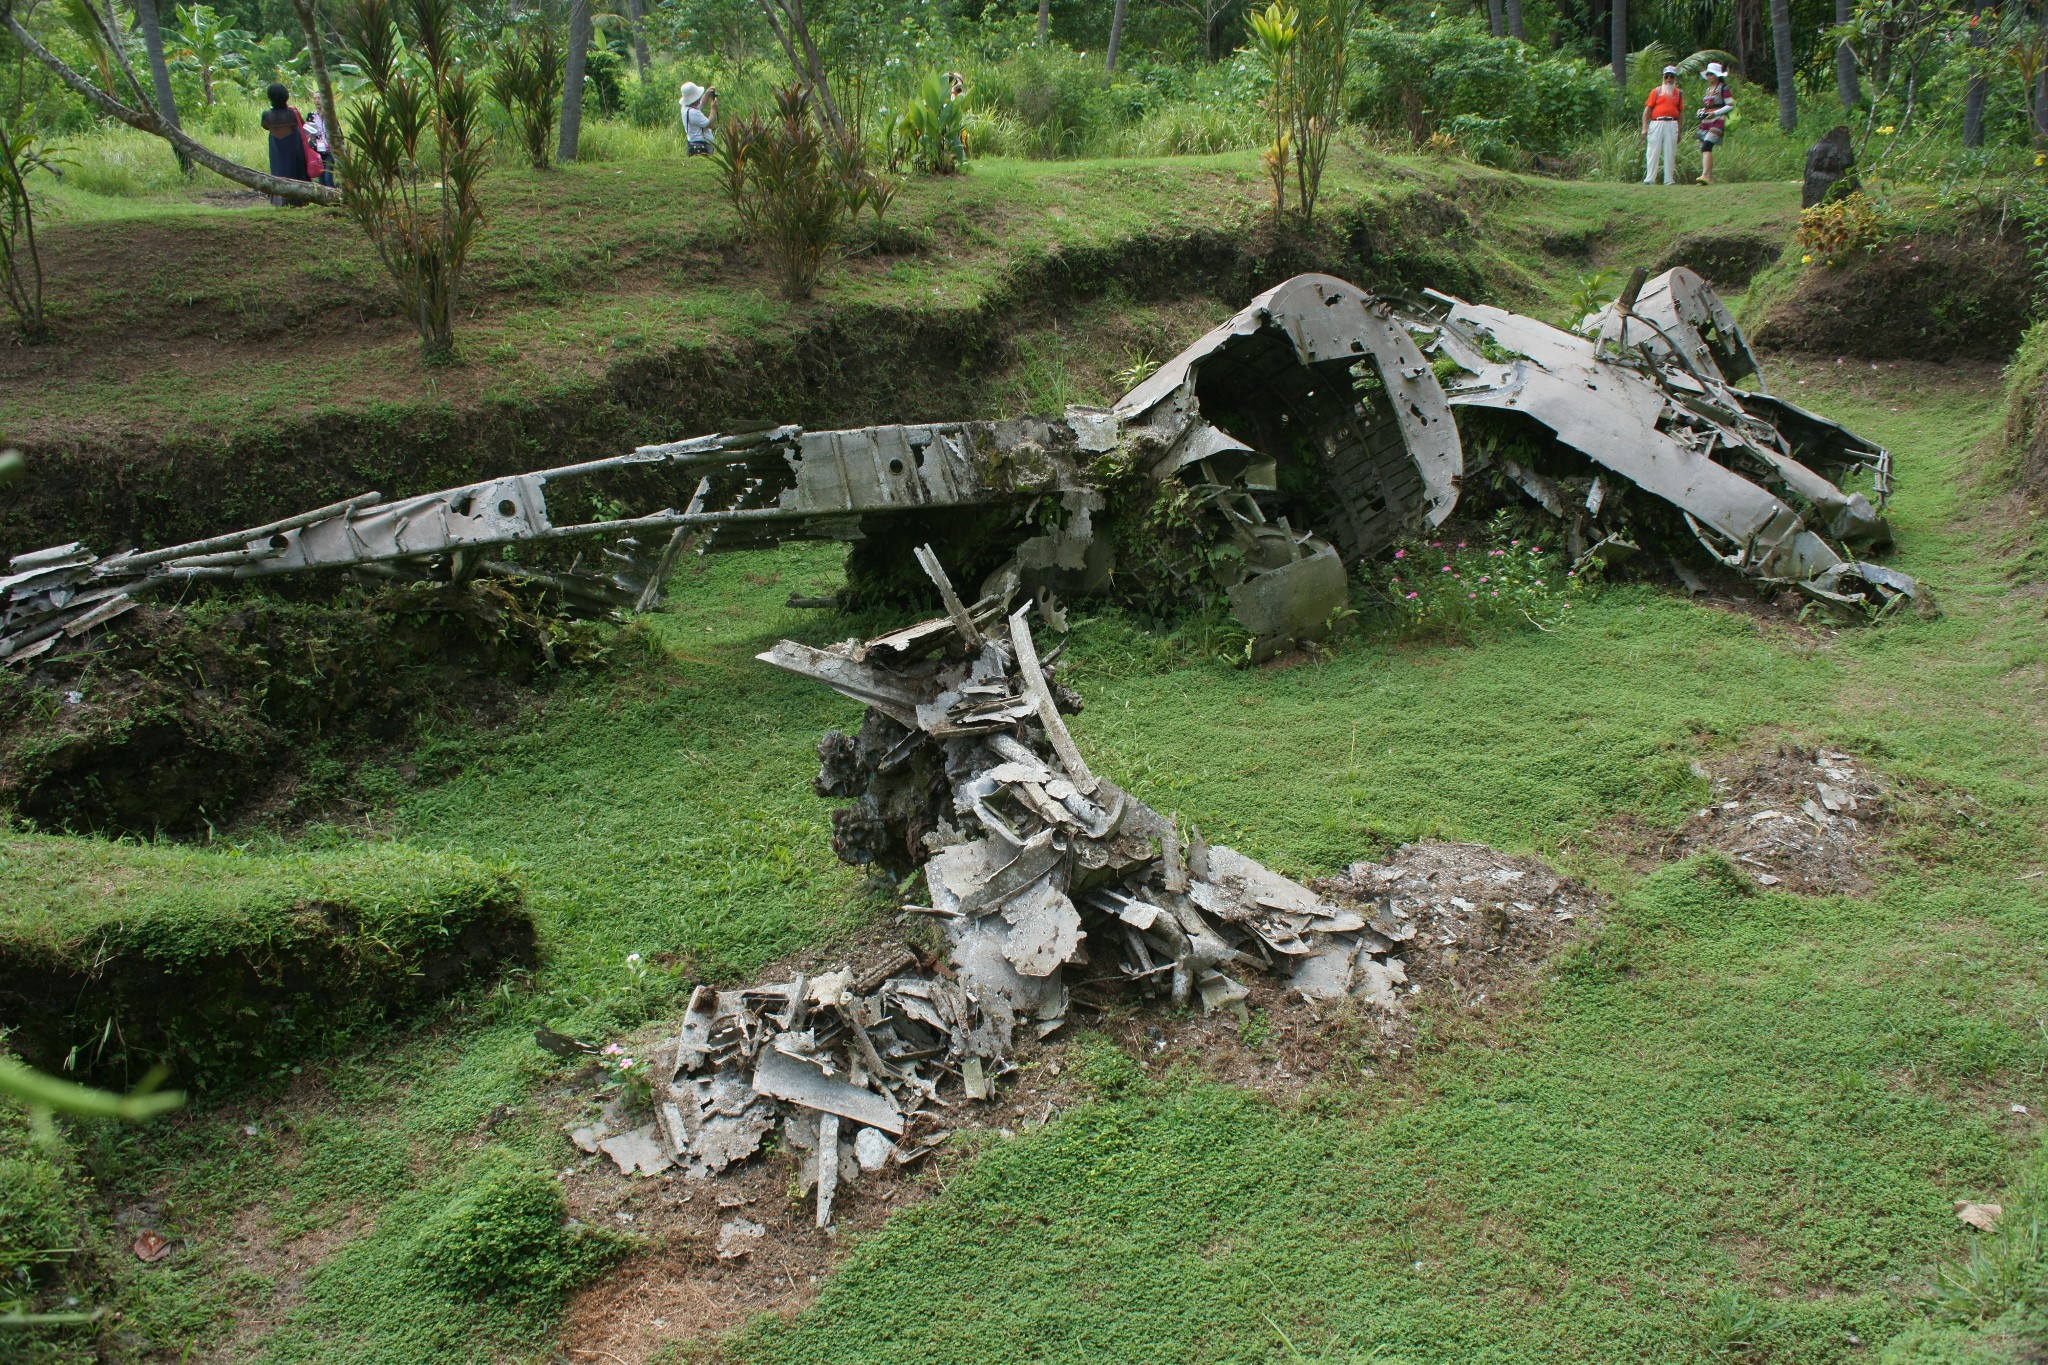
287 138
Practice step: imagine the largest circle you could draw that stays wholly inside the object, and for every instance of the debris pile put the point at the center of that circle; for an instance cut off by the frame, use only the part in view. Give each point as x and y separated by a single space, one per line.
850 1070
1797 818
964 768
963 771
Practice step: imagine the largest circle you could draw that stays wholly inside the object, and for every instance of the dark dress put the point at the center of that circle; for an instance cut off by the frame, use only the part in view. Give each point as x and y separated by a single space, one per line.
287 145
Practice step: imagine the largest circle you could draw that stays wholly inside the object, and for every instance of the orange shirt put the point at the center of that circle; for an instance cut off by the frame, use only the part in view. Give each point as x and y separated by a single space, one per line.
1665 104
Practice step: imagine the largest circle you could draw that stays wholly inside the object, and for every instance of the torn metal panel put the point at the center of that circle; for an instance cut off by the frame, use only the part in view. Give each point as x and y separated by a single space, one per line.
1678 313
1650 399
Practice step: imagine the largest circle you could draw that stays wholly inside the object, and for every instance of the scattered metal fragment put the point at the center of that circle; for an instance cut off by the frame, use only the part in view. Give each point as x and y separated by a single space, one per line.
1034 862
1983 1217
737 1236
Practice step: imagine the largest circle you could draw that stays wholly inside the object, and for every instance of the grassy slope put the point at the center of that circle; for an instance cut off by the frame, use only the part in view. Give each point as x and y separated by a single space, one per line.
231 321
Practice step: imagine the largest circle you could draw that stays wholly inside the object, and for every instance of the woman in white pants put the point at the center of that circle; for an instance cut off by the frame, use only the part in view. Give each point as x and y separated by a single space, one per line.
1662 113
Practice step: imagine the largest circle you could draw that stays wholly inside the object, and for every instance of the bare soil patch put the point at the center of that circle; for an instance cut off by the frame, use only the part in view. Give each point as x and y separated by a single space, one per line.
1804 819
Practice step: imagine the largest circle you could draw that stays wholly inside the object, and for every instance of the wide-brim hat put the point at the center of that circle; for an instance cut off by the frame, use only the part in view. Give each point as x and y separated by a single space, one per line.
692 92
1716 70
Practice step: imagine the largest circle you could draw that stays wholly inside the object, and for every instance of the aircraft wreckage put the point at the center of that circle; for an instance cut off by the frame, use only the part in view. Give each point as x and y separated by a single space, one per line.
1309 433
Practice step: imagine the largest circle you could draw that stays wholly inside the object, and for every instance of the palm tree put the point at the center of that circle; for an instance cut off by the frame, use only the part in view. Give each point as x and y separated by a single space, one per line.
1781 56
572 79
636 17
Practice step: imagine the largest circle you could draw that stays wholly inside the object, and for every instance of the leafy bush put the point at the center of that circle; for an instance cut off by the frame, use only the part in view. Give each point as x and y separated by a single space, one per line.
422 112
527 65
503 1235
931 128
1059 96
1831 231
1499 97
796 186
1454 586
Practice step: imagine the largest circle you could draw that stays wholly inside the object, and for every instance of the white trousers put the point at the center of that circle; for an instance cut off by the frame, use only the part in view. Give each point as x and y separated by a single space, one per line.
1662 142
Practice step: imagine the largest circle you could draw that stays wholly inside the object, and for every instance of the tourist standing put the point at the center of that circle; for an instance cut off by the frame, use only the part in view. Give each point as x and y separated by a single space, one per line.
700 107
1662 113
316 133
288 145
1715 107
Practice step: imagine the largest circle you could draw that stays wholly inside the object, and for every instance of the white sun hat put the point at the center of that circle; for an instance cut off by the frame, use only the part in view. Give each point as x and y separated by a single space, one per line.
692 92
1716 70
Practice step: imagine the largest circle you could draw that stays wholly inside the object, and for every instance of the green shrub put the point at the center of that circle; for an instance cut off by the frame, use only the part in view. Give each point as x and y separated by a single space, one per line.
1499 98
503 1235
1456 585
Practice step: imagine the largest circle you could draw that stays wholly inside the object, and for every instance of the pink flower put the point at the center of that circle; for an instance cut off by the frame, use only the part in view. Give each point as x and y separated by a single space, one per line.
1400 554
1461 544
1412 596
1495 554
1482 578
612 1049
1447 568
1513 543
1471 594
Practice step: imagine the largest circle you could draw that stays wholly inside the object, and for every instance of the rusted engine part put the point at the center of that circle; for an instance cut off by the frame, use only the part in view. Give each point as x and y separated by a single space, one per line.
963 767
1315 434
744 489
1662 424
852 1072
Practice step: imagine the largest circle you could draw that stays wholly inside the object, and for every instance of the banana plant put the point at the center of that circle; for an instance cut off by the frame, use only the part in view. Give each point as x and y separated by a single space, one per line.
1276 30
209 45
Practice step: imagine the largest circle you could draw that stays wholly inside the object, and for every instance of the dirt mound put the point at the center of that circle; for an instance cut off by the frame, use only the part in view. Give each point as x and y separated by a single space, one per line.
185 719
1921 297
1481 917
1803 819
1728 260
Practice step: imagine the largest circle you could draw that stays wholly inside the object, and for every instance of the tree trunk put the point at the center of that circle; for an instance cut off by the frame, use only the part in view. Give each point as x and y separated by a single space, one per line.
1496 20
636 15
159 70
1781 53
1044 21
309 20
1975 92
1116 36
1618 41
572 79
1515 29
1846 85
